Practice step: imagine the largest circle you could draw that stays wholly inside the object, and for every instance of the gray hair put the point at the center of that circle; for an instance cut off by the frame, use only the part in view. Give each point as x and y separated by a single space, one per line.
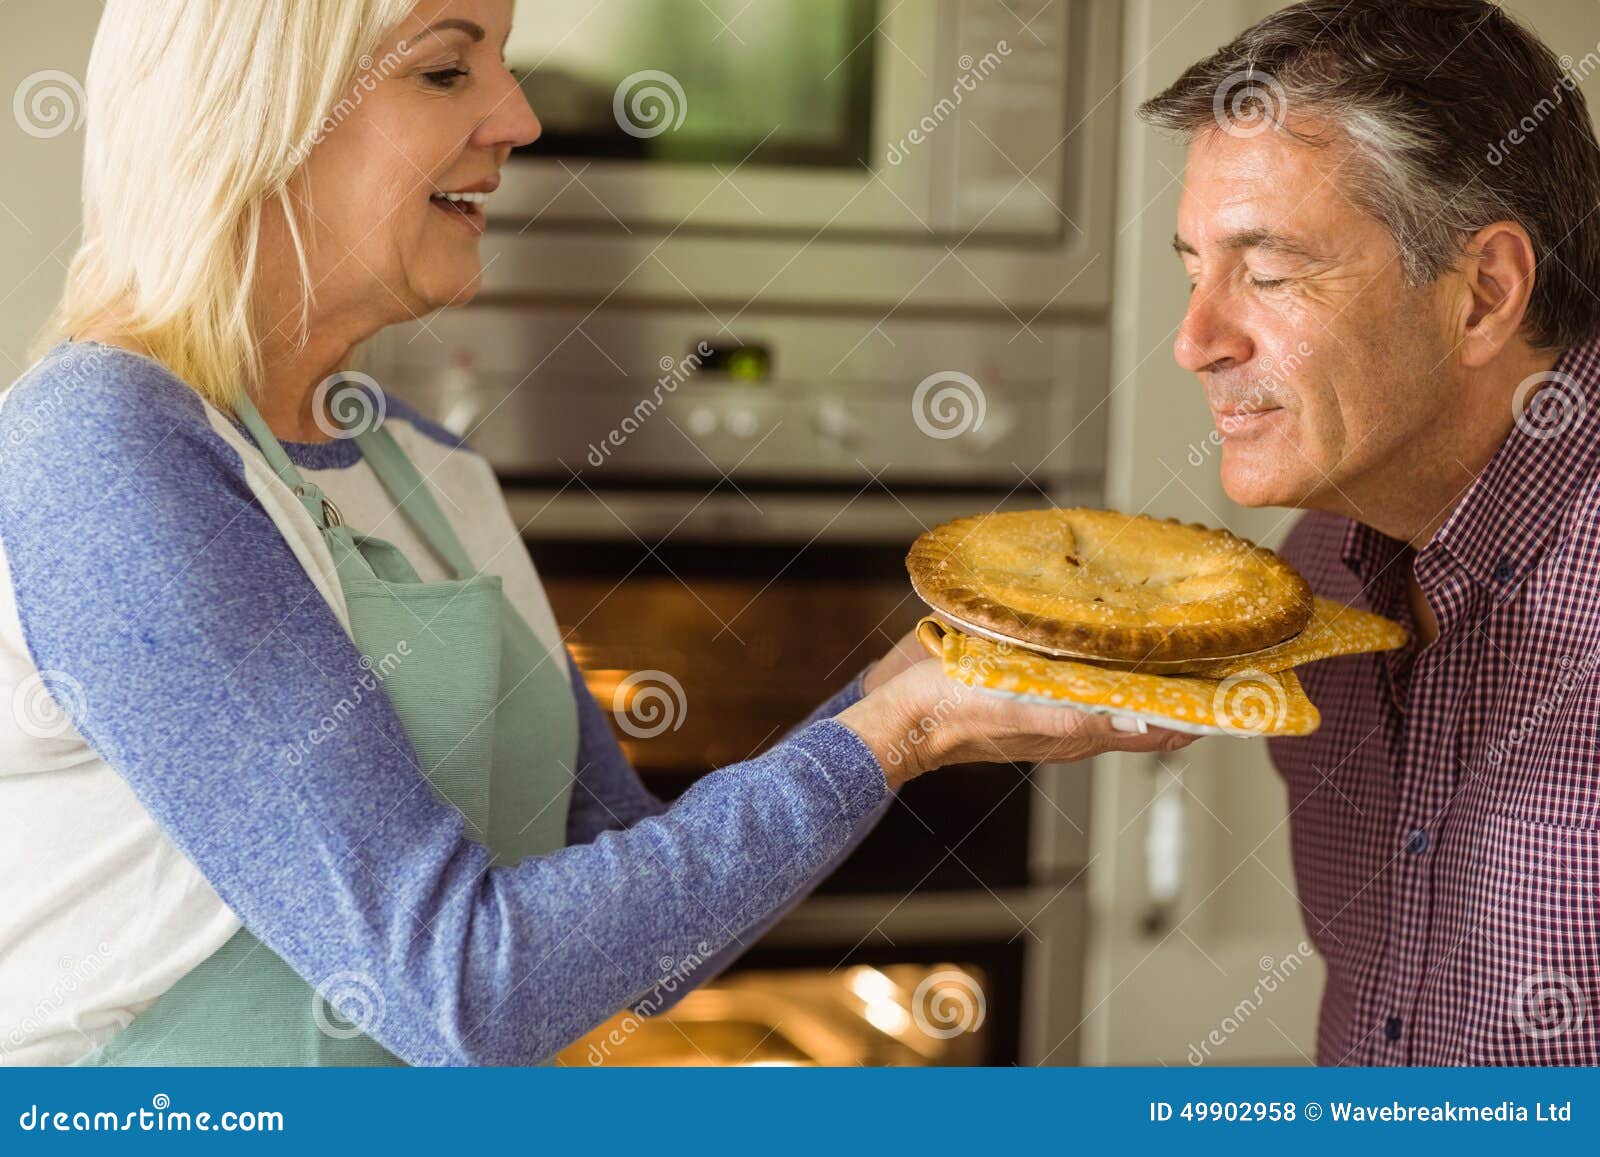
1460 117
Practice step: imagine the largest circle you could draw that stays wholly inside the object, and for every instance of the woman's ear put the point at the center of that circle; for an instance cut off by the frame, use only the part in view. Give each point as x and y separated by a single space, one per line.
1497 274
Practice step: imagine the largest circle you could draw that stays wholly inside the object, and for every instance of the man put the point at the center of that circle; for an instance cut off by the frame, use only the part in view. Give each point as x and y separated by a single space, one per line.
1391 221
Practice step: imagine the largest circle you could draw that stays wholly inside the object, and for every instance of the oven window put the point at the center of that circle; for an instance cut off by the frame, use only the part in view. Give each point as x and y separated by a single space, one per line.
903 1015
705 654
783 82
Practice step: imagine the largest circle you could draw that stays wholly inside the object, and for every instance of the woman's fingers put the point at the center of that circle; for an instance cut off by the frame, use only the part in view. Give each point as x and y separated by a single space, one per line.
1085 735
921 719
906 652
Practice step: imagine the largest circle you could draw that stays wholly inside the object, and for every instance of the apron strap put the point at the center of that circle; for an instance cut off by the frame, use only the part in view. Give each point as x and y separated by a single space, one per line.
400 478
412 494
310 496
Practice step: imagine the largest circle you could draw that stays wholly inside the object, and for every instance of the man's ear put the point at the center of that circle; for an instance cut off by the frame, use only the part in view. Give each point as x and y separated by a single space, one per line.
1497 278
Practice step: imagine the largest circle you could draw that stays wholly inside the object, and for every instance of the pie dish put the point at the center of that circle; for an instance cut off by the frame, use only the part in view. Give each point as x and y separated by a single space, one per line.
1108 587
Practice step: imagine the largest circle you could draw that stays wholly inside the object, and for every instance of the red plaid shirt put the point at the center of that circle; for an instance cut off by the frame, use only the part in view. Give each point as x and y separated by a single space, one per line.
1445 819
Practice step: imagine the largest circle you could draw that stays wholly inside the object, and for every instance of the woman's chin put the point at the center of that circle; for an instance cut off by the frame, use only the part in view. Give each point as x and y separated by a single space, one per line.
442 292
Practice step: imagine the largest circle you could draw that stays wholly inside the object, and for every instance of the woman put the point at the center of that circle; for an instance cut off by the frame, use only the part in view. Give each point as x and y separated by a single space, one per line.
292 720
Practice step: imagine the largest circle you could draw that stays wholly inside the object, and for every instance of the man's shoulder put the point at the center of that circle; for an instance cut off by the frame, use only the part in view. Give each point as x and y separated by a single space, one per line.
1576 537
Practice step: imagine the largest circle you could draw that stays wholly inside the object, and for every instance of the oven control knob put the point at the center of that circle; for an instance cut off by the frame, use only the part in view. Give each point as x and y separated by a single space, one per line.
743 423
702 421
835 424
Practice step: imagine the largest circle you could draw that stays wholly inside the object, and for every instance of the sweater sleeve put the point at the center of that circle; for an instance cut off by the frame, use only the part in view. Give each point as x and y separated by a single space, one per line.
607 794
148 574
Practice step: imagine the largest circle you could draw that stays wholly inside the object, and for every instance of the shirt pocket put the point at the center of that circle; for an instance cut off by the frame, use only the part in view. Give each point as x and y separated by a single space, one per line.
1529 985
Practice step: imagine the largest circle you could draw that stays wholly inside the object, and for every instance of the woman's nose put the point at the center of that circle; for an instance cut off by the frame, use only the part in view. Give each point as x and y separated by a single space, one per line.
1208 336
512 124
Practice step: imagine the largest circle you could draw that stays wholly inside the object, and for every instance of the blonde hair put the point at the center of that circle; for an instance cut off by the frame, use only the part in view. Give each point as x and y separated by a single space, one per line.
199 113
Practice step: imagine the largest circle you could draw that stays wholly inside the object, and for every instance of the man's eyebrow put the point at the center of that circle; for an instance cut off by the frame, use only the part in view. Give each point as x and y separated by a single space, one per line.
1263 239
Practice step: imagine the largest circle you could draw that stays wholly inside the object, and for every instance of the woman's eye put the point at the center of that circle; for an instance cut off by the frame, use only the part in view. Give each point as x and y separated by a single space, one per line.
445 78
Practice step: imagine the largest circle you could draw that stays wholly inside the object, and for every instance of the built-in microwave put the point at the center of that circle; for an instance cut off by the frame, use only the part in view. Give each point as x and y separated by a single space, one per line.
843 153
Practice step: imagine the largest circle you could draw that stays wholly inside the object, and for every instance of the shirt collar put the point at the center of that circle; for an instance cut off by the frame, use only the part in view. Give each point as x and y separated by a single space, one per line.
1503 522
1504 519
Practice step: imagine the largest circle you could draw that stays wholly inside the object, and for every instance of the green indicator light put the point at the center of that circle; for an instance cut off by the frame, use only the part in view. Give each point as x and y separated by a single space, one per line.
748 364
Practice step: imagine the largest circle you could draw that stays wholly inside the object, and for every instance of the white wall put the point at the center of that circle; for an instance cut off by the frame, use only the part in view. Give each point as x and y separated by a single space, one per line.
1151 995
39 194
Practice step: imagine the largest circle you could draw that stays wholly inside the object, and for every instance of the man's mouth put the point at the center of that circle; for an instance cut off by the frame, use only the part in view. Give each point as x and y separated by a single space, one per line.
1243 419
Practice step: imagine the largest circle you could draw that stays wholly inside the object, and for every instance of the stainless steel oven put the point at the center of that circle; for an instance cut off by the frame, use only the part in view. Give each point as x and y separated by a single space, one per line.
740 539
866 153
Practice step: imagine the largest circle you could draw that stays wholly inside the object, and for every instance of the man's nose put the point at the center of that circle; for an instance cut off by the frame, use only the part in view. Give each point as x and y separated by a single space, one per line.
1208 338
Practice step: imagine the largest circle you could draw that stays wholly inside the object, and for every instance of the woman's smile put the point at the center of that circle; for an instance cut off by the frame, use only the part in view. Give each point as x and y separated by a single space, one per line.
466 206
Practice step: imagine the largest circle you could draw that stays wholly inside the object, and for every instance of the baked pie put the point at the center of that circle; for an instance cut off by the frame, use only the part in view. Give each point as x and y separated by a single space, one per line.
1095 584
1159 622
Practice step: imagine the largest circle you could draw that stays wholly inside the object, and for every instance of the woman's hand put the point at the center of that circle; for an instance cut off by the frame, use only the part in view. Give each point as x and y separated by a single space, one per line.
921 719
902 655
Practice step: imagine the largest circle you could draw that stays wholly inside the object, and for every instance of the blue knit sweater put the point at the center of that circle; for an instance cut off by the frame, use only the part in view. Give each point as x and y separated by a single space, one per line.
147 572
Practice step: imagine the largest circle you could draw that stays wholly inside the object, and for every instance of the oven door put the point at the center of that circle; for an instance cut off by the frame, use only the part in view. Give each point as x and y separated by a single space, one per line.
707 650
708 625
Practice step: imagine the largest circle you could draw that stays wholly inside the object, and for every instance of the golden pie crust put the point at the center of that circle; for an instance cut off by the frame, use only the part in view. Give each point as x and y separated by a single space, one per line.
1105 586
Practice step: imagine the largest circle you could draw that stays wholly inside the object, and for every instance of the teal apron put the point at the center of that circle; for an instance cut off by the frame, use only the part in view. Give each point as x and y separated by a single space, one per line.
492 719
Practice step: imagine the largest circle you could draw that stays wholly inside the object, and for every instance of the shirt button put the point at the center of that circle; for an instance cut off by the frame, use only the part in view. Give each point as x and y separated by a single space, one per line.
1391 1028
1504 572
1417 842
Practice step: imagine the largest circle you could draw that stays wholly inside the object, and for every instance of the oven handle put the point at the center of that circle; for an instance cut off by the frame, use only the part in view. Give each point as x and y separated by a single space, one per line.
576 513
